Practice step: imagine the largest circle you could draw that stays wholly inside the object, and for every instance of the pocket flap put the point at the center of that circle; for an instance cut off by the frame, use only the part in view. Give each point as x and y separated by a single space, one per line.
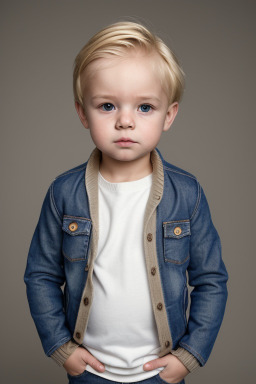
76 225
177 229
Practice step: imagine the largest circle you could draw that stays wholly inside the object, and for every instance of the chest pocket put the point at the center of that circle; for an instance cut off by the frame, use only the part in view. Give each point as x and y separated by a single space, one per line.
76 237
176 241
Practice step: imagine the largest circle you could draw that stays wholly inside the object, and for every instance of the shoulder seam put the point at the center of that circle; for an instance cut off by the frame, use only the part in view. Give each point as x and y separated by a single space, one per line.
53 202
71 171
197 201
180 173
198 187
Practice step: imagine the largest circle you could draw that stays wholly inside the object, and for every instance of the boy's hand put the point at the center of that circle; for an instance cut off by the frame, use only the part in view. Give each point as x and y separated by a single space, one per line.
174 370
76 363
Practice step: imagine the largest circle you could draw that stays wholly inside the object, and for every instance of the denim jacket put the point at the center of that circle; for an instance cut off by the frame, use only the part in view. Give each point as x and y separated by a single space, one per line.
180 241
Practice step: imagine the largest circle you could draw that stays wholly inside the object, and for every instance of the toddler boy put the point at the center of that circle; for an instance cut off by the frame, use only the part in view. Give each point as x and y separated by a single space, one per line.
121 231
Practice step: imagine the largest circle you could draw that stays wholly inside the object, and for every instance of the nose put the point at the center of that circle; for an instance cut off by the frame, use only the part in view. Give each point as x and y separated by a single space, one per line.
125 120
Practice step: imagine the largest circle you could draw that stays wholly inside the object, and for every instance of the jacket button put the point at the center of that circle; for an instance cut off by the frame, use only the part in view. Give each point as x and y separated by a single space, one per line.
153 271
73 226
78 335
167 344
159 306
86 268
86 301
149 236
177 231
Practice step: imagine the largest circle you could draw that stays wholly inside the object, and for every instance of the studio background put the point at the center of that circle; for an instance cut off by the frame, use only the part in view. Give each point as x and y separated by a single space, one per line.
213 137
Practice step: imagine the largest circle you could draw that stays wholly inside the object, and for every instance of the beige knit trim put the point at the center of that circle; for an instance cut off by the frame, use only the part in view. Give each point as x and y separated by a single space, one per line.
91 184
150 252
187 359
62 353
156 292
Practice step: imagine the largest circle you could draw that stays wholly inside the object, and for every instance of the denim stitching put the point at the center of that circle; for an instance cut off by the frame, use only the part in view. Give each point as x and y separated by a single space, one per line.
74 260
177 237
77 233
181 173
61 342
185 290
72 171
194 352
197 202
199 188
176 221
53 202
176 262
76 217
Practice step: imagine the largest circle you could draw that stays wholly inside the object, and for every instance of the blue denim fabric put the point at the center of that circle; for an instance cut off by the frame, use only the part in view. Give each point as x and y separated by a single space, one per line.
58 255
90 378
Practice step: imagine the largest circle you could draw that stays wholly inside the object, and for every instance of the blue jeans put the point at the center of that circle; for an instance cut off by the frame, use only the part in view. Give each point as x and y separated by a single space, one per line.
89 378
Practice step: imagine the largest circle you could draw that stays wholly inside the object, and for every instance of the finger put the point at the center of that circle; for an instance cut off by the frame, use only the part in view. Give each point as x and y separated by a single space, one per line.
156 363
93 362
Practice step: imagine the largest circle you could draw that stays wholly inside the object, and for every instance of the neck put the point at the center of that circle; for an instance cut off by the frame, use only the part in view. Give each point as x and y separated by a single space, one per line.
116 171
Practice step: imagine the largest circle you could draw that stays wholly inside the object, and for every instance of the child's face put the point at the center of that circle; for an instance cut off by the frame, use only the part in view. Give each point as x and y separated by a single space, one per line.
124 100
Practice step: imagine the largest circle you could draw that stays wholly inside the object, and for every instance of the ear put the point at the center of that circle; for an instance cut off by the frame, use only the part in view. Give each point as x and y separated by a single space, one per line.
170 115
81 114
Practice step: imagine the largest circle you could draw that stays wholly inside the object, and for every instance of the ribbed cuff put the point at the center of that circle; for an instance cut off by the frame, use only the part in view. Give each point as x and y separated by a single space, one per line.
62 353
187 359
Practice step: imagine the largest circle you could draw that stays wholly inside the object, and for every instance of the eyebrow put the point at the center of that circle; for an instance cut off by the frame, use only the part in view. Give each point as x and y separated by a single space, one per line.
149 97
102 97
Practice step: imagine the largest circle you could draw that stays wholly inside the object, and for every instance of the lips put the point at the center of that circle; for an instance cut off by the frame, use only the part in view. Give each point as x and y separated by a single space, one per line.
125 139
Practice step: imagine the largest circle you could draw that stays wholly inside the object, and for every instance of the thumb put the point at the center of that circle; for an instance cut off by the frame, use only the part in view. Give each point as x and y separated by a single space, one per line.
153 364
93 362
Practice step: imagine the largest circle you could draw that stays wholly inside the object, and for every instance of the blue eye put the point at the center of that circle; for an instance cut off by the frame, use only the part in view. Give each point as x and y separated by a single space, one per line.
145 108
107 107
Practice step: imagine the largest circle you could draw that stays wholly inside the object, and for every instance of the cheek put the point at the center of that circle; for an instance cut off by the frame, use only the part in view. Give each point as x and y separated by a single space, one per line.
154 133
99 134
155 128
98 120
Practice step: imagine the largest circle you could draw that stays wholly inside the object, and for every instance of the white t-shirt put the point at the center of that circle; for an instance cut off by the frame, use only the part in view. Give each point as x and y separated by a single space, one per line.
121 331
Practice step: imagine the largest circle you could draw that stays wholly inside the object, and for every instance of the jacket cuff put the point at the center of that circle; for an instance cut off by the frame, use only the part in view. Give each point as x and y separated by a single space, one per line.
61 354
187 359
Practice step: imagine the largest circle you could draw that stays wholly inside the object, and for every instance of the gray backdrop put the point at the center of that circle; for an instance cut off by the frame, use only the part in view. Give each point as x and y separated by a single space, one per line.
213 137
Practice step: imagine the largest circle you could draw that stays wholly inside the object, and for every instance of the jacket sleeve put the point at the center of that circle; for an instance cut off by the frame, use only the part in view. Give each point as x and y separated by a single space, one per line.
44 277
208 277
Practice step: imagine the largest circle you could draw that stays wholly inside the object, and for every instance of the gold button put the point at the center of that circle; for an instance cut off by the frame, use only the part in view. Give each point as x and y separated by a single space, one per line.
73 226
167 344
177 231
86 268
149 236
160 306
86 301
153 271
78 335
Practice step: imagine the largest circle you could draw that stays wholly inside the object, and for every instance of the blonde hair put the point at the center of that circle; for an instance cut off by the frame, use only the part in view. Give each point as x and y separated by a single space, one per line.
117 39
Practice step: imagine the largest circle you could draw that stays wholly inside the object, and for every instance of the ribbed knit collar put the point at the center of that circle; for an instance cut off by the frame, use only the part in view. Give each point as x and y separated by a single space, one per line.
125 186
91 180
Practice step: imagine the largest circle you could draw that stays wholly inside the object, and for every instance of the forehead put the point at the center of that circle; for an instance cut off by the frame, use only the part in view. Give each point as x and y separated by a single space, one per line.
135 67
